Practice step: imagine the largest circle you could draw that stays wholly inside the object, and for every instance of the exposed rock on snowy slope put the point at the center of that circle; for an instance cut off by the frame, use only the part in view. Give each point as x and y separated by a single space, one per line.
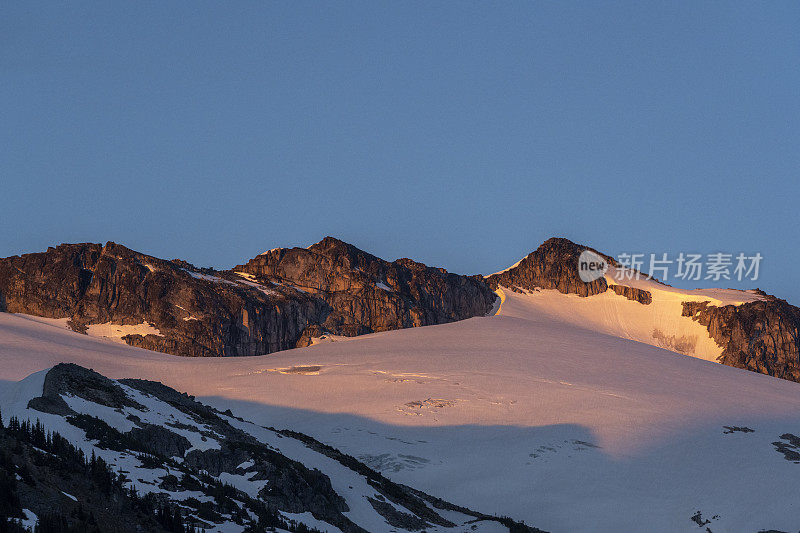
761 336
222 472
173 307
192 312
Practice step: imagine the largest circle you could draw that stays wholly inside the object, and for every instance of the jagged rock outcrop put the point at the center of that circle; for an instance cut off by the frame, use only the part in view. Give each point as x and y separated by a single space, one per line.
196 312
554 265
367 294
73 380
277 301
285 298
632 293
762 336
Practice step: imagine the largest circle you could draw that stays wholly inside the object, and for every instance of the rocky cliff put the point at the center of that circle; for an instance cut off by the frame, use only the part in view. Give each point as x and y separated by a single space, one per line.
276 301
762 336
365 293
286 297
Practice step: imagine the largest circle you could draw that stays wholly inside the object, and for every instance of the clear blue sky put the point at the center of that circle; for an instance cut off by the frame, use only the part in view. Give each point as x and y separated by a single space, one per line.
461 134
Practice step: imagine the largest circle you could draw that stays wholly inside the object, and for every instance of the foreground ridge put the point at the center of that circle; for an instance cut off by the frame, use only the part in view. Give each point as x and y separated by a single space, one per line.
158 453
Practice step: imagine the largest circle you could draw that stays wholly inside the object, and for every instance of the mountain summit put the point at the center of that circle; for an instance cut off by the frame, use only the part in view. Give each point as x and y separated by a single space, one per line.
743 329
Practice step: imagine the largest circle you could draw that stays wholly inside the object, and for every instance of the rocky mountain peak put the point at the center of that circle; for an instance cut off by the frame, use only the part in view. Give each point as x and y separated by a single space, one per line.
365 293
553 265
331 243
333 247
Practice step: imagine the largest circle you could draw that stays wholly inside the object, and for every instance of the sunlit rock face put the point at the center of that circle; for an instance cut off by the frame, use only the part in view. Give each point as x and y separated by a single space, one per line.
288 297
762 336
277 301
365 293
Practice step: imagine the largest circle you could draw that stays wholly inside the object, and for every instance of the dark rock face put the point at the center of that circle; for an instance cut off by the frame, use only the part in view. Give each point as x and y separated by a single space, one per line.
278 301
286 297
197 312
366 294
161 440
632 293
554 265
50 283
73 380
762 336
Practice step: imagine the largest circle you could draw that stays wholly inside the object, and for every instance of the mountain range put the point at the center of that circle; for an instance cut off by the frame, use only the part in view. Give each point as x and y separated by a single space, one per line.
292 297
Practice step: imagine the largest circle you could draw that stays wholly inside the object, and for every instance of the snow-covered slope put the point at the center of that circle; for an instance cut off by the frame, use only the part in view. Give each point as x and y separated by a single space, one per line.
547 412
659 322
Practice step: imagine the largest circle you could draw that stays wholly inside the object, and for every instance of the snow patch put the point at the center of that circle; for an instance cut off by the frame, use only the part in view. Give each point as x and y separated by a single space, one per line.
207 277
308 519
715 297
244 482
29 522
250 281
189 317
515 265
115 332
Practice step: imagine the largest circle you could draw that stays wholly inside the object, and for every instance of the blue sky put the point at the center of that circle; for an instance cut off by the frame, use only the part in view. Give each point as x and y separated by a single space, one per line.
460 134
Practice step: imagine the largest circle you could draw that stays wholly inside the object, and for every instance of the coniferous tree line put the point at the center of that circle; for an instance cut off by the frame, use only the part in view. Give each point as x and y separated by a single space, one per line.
62 456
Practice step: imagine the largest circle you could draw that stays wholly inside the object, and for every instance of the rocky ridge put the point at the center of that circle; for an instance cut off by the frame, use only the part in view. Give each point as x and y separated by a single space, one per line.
287 297
277 301
365 293
761 336
553 265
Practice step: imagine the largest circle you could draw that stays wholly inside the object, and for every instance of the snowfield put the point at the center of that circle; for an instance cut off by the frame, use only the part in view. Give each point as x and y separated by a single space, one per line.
560 411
